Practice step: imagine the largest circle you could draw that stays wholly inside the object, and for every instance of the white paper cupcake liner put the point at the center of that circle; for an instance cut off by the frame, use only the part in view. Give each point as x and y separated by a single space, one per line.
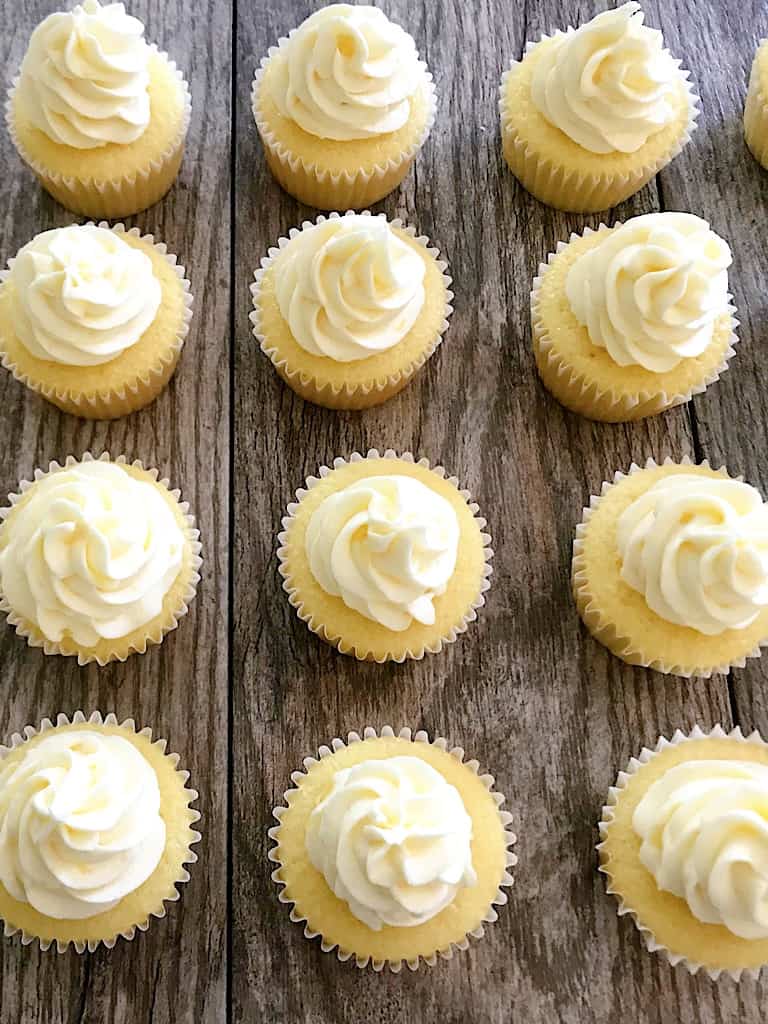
124 397
134 190
388 384
338 642
756 112
499 900
619 407
593 618
96 718
614 794
34 637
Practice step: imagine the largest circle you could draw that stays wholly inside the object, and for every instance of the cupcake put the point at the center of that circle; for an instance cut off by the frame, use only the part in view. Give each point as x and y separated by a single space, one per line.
670 569
756 109
384 558
634 319
98 114
349 308
94 318
98 559
590 115
685 848
95 829
392 849
342 106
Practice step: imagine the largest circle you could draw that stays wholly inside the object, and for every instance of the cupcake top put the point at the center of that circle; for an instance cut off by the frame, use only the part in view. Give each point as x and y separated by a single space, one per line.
349 287
387 546
651 291
81 296
80 824
608 84
84 80
348 73
696 547
393 840
90 553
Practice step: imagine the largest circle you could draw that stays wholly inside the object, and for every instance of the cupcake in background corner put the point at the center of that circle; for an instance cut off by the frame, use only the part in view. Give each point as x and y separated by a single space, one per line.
343 106
756 108
591 114
634 319
98 114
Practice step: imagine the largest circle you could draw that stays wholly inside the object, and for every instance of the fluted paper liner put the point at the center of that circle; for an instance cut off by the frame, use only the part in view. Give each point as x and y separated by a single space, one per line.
345 395
110 403
614 795
170 618
756 108
505 818
578 191
578 392
603 628
189 856
352 188
359 652
114 197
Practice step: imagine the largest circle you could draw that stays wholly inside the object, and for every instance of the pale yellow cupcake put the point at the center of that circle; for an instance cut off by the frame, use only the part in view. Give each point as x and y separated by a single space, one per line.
348 309
756 108
110 158
403 879
94 318
631 320
341 127
98 559
95 830
589 152
684 848
384 557
670 569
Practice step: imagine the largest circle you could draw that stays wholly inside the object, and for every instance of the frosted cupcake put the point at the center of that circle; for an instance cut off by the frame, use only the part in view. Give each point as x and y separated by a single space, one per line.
670 569
350 308
384 558
590 115
685 848
342 106
98 559
756 109
95 829
93 318
634 319
393 849
99 115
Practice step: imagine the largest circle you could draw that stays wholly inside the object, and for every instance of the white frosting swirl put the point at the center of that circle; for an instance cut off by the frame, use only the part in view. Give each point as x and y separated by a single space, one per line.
651 291
81 295
696 547
91 554
704 831
349 288
387 546
80 824
84 79
393 840
608 84
347 73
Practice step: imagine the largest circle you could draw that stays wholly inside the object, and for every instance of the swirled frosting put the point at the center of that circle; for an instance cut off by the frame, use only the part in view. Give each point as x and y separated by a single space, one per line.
91 554
84 79
349 288
608 84
80 824
393 840
81 295
704 832
347 73
651 291
696 547
387 546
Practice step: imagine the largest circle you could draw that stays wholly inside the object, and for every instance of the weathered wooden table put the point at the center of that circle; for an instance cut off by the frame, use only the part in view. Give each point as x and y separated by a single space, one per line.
244 692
